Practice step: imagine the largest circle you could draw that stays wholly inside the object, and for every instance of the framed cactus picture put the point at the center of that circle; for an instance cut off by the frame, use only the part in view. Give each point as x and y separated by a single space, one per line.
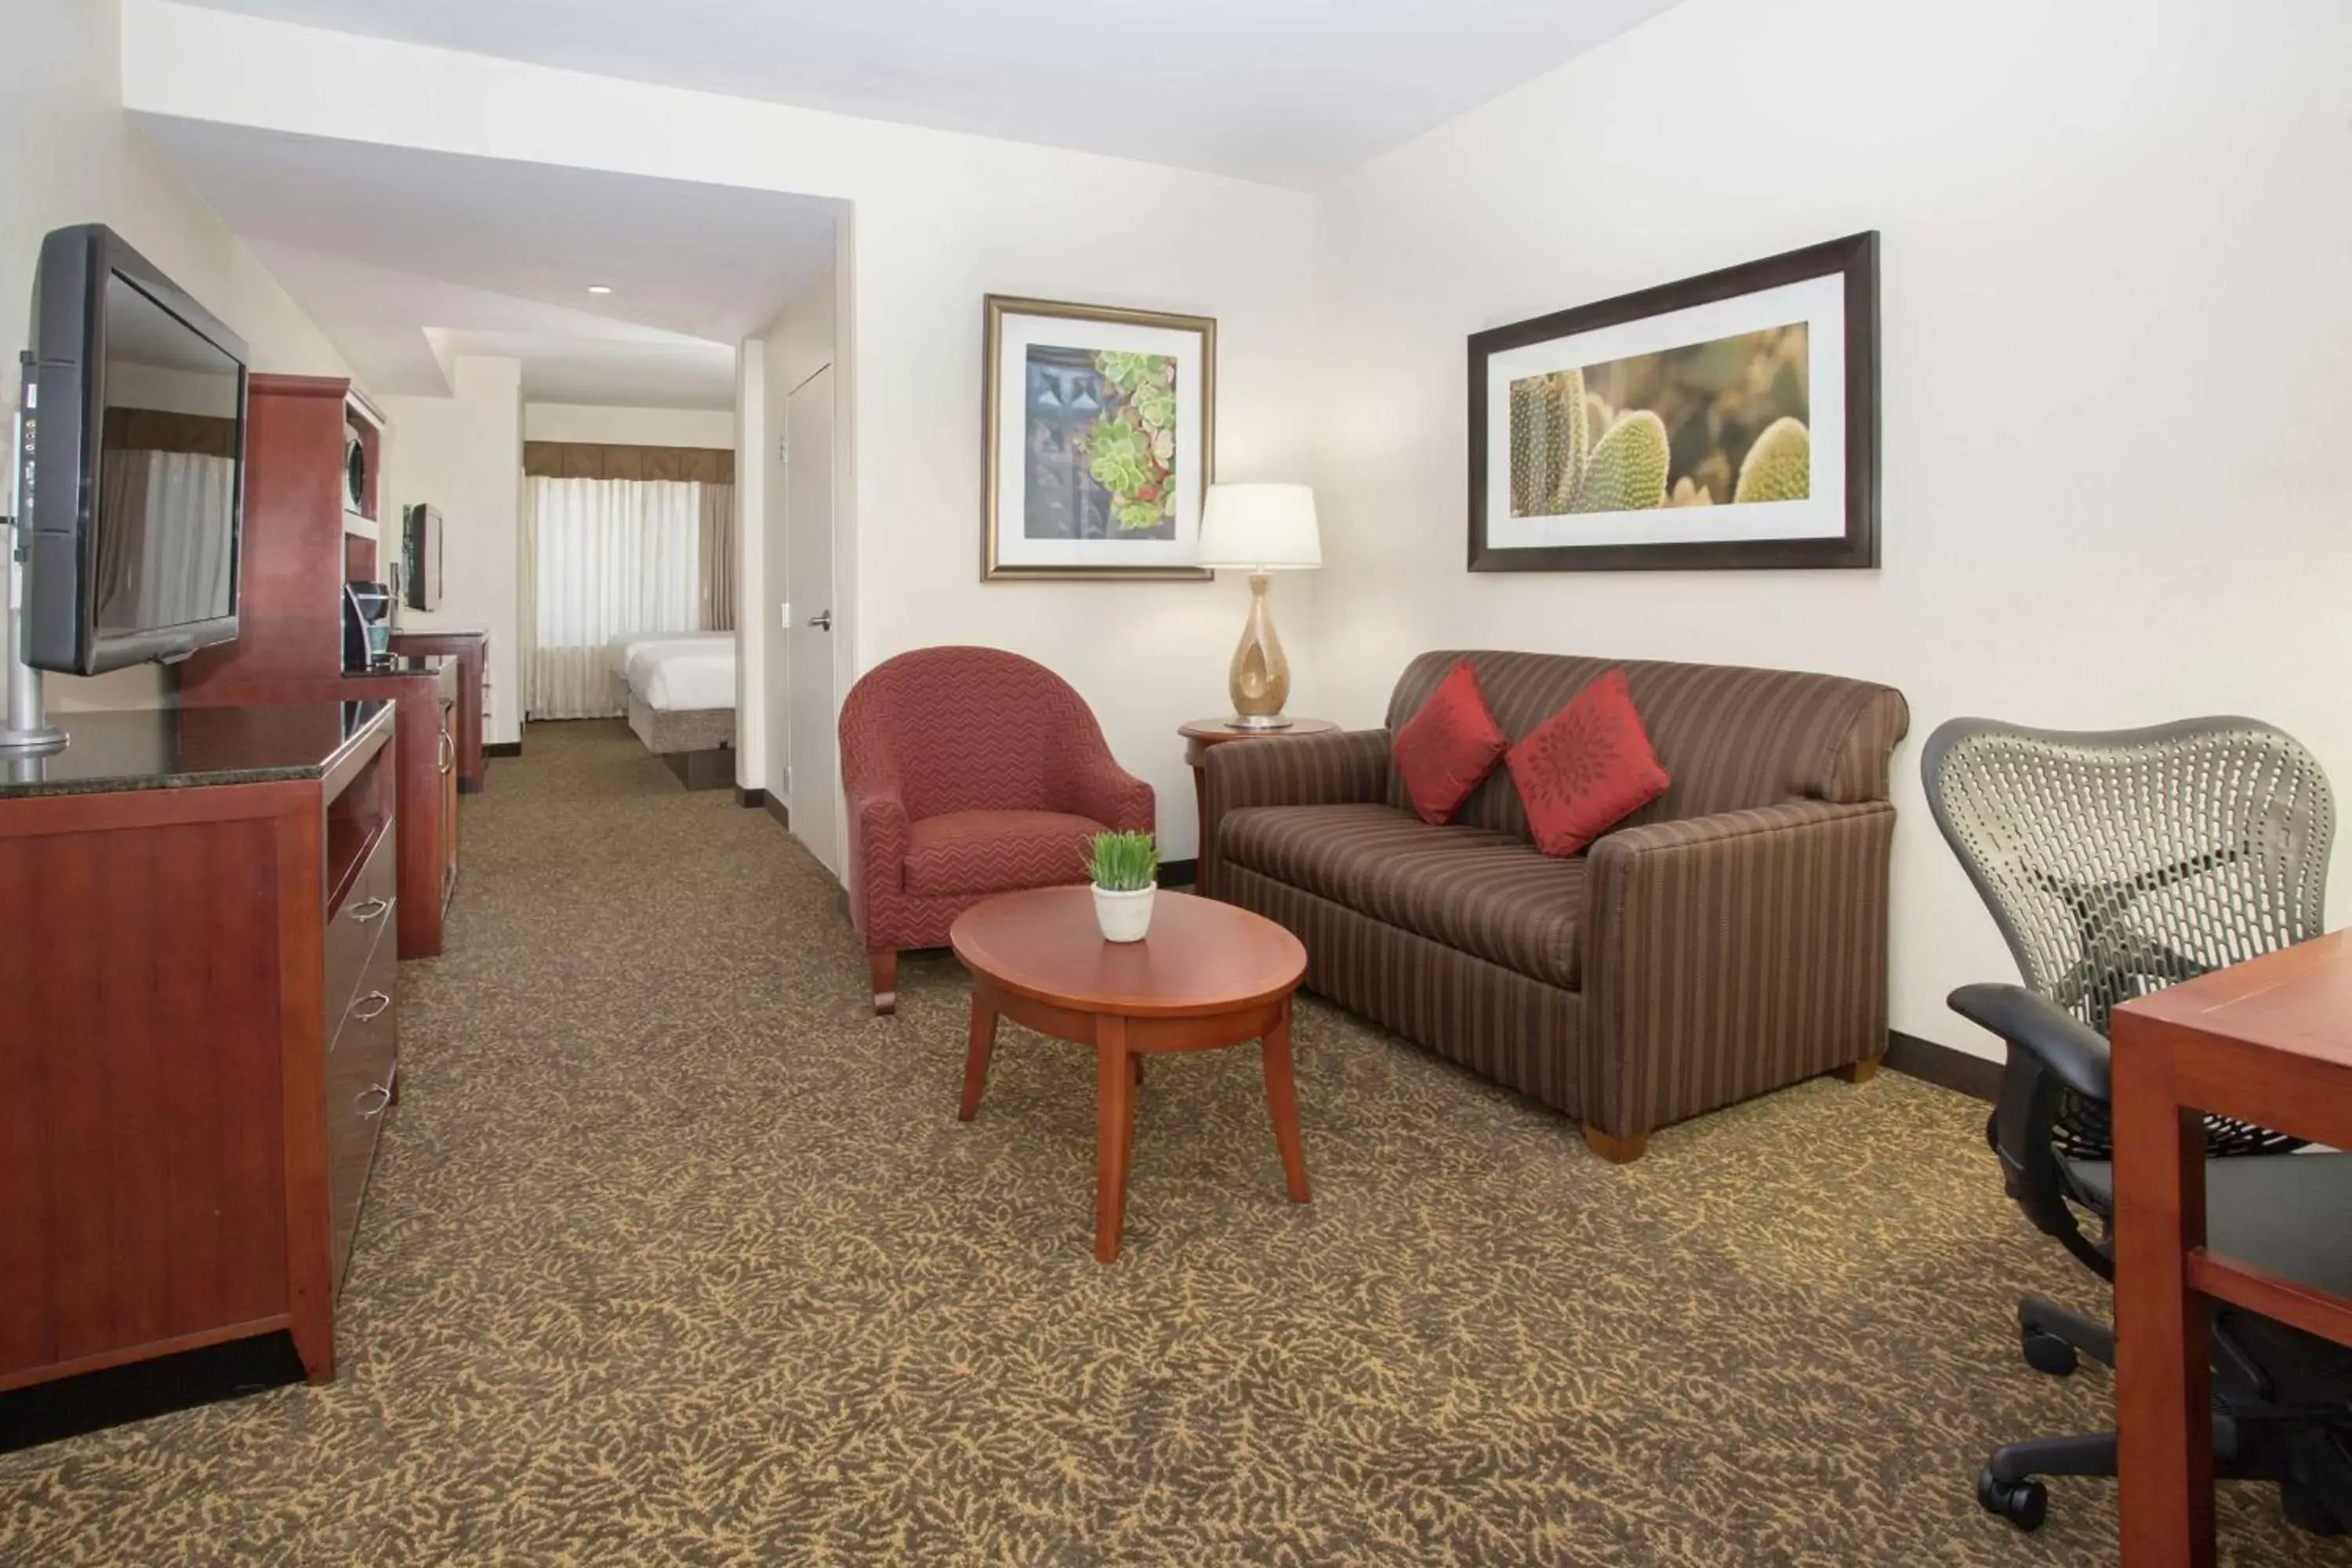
1728 420
1098 440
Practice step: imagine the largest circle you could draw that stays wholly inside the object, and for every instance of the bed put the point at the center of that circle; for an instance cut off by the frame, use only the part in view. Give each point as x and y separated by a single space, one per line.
679 690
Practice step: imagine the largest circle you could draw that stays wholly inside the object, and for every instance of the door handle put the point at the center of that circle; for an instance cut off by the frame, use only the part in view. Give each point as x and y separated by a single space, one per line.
821 620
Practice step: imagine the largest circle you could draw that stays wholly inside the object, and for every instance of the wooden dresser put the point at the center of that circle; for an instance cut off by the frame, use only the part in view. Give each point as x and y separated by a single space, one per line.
202 1028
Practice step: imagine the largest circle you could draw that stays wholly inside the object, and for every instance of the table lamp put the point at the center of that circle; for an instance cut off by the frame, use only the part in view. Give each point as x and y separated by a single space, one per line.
1259 529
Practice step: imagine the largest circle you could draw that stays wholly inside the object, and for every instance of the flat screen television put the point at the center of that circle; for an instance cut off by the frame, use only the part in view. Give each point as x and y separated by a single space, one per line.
134 410
420 556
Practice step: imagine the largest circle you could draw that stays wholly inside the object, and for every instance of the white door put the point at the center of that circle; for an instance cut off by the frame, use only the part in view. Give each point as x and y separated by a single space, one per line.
809 644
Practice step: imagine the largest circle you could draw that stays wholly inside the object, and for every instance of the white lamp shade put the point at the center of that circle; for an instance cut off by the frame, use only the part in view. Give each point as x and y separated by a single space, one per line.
1260 527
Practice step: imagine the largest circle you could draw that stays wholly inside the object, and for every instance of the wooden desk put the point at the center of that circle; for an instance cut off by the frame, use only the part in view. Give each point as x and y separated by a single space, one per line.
1200 736
2268 1041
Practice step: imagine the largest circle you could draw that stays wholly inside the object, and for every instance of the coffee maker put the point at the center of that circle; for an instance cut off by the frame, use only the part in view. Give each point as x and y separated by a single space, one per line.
367 626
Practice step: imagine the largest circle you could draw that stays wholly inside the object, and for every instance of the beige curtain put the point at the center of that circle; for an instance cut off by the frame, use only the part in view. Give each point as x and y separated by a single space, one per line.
526 591
717 588
611 558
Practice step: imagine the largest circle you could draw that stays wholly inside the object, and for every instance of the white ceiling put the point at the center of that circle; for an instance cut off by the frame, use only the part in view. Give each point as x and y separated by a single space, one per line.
408 259
1291 91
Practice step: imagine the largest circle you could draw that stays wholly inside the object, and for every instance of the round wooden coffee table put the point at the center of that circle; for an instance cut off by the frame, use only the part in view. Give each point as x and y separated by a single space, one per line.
1209 976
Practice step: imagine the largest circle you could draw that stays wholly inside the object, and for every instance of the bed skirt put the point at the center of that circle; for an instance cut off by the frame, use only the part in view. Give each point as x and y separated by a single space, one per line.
692 730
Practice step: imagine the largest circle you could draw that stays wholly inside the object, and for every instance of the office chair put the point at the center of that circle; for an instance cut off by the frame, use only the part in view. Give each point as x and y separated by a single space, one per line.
2115 864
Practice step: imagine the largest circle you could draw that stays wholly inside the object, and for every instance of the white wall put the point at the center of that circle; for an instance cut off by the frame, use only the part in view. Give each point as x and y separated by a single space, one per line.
67 155
600 425
938 220
2118 350
463 454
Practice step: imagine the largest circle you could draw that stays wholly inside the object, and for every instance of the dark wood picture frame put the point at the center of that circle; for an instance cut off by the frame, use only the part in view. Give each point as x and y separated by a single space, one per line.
1856 258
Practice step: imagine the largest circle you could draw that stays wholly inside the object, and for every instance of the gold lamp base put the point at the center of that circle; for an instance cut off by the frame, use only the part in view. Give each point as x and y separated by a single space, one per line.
1259 680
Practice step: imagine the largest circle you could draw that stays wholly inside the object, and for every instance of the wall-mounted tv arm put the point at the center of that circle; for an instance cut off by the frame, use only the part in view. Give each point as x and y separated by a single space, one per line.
27 729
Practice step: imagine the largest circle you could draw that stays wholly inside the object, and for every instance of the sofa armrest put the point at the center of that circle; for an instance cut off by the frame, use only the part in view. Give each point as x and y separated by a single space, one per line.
1096 786
1348 767
1730 955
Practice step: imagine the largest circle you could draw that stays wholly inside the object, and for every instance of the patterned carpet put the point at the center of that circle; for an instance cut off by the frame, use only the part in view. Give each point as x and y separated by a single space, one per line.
676 1255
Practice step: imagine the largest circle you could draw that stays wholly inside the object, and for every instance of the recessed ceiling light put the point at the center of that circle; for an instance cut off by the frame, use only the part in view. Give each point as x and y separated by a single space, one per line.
600 288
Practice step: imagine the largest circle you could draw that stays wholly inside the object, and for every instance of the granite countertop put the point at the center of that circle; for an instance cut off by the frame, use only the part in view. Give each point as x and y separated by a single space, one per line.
185 748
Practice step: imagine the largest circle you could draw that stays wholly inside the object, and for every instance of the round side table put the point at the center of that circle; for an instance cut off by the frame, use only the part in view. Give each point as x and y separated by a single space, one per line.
1208 976
1202 734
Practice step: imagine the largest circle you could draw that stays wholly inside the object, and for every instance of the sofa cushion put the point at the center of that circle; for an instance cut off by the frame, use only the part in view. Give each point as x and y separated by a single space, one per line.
1448 747
1486 893
1586 767
996 851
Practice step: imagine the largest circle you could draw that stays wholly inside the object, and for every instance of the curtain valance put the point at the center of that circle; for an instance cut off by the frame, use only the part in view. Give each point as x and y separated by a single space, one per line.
590 460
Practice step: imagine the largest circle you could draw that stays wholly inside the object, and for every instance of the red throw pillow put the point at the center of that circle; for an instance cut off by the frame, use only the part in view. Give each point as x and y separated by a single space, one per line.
1448 746
1586 767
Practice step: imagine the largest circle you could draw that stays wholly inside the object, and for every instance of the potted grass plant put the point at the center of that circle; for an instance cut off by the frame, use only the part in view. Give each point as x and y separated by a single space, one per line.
1125 869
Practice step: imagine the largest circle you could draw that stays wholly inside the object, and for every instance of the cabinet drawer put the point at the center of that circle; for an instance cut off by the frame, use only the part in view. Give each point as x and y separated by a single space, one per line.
368 910
361 1063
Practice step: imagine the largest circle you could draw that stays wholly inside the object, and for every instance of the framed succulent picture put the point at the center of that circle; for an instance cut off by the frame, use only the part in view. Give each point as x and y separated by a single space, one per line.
1727 420
1098 440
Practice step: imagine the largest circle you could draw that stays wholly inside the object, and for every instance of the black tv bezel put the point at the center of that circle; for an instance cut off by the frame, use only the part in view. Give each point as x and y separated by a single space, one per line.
66 411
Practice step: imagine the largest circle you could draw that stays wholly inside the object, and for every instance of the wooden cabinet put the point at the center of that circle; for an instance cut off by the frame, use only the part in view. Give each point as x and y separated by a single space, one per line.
472 652
302 539
201 991
448 762
362 1060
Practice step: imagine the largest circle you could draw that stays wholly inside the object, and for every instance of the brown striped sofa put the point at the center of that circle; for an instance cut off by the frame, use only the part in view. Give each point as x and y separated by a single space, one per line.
1726 939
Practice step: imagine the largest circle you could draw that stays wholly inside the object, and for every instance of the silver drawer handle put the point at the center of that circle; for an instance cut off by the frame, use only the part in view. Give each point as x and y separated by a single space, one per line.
381 1000
369 908
448 750
383 1097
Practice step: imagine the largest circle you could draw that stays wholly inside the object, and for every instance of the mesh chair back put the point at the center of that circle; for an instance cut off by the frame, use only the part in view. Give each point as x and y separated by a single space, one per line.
2119 862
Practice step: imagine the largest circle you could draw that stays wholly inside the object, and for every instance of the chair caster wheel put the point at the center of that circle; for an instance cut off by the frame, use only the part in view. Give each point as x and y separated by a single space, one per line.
2047 1353
2023 1503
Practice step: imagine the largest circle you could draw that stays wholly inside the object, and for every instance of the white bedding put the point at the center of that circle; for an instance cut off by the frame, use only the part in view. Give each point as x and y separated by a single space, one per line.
623 648
682 678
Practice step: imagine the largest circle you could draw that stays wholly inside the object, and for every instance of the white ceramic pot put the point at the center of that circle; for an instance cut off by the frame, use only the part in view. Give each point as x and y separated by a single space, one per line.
1124 916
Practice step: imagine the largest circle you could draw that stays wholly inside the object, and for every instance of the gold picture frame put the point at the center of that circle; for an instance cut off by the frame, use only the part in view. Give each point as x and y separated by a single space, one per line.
1051 542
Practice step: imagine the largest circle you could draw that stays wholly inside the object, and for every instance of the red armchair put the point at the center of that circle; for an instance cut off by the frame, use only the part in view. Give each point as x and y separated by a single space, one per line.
969 772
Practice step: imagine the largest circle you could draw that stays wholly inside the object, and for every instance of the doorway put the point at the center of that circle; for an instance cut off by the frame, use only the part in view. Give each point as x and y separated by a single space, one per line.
809 648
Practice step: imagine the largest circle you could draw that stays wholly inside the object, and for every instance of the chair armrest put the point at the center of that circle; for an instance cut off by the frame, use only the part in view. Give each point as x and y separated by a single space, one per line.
2069 1049
1726 955
877 846
1095 785
1348 767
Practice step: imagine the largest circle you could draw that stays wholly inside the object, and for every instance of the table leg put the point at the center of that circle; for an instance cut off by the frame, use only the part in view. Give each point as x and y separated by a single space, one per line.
1282 1099
2163 1393
1114 1134
975 1056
